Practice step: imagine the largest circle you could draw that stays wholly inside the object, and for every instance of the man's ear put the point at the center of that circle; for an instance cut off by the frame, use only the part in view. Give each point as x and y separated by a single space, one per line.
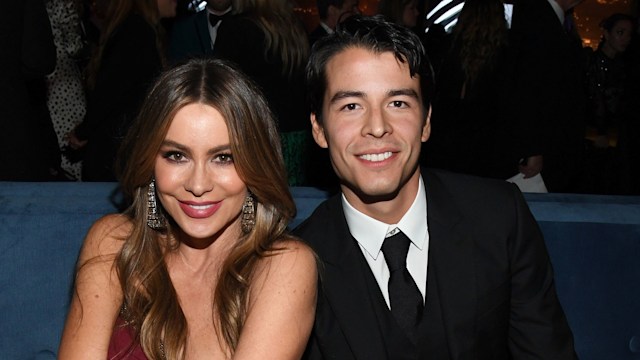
318 132
426 129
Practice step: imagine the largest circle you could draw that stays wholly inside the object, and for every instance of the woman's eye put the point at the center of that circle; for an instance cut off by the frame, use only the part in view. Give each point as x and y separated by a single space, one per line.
224 158
174 156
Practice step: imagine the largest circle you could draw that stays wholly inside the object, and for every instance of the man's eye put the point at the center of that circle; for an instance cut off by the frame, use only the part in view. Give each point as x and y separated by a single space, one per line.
398 103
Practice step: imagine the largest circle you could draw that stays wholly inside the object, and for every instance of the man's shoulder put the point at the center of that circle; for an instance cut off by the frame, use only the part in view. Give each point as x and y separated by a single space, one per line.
321 219
465 189
459 181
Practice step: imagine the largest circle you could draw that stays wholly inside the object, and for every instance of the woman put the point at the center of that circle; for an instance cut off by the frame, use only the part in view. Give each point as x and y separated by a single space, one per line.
130 55
266 39
401 12
65 95
607 79
471 117
200 265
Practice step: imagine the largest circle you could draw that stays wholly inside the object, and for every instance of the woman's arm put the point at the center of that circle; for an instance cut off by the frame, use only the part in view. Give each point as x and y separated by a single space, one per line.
282 305
97 297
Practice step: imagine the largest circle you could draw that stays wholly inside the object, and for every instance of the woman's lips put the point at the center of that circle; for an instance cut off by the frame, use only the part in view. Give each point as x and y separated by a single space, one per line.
200 210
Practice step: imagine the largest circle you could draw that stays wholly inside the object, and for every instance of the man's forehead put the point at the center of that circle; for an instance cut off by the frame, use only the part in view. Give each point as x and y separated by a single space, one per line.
357 57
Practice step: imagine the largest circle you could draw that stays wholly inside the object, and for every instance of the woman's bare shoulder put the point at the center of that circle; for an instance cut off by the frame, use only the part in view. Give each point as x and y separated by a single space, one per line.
291 250
290 260
106 236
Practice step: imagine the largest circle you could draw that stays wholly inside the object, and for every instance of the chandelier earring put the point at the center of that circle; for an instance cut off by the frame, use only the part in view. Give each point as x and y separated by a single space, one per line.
248 214
155 219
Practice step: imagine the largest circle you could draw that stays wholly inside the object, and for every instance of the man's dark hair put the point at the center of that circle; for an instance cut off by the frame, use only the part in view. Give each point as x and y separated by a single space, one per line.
375 34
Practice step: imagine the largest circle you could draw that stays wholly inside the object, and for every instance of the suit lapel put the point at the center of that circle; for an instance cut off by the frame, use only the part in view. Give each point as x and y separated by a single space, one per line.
344 284
452 263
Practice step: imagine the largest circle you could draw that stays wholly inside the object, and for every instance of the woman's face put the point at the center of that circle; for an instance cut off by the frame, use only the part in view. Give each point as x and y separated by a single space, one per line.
619 37
167 8
410 14
196 179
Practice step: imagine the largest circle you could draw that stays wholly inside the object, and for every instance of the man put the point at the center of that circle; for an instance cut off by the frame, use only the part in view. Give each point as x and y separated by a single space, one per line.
28 145
476 282
553 98
331 12
196 35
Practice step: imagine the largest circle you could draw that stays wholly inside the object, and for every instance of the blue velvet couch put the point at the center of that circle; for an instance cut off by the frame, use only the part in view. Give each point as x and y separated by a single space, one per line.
594 243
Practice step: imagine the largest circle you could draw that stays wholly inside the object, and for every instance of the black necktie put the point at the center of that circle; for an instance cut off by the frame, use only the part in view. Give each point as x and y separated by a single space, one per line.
214 19
404 296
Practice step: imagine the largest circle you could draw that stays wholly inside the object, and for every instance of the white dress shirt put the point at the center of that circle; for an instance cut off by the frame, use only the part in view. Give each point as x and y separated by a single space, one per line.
370 234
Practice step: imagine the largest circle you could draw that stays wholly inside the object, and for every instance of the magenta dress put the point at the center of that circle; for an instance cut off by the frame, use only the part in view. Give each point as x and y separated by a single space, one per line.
123 345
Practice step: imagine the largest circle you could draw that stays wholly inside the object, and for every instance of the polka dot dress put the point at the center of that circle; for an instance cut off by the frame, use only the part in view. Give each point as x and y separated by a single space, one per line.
66 97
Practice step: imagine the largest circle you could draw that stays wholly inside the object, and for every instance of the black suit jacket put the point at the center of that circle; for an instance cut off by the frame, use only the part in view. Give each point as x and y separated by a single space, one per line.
190 37
27 54
487 263
551 71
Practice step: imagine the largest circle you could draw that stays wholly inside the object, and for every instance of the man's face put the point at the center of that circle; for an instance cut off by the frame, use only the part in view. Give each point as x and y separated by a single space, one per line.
373 124
218 5
349 7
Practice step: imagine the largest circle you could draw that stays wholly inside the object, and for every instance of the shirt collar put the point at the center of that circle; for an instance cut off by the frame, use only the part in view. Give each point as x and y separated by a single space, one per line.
370 233
558 10
326 28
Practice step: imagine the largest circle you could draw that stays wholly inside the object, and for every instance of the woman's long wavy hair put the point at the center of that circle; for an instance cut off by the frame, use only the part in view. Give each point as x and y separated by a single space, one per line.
480 35
116 12
152 306
285 36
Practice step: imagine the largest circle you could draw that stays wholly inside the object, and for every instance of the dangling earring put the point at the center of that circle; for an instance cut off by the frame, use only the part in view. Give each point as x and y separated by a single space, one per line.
155 219
248 214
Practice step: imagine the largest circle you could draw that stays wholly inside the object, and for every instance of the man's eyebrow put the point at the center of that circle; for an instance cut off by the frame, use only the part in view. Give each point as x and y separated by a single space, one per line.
359 94
346 94
404 92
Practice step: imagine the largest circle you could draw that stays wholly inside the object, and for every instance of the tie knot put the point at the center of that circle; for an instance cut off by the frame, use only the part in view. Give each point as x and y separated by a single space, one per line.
214 19
395 249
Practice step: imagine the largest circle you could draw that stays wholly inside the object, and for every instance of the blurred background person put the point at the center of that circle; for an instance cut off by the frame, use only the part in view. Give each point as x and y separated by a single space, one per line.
130 55
332 12
268 42
610 121
65 90
552 97
475 125
401 12
28 146
196 34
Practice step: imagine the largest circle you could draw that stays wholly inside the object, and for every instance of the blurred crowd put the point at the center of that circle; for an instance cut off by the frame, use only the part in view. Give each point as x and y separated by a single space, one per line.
517 96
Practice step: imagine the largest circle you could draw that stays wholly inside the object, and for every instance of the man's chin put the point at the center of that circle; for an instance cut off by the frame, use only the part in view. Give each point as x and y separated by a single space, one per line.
371 194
